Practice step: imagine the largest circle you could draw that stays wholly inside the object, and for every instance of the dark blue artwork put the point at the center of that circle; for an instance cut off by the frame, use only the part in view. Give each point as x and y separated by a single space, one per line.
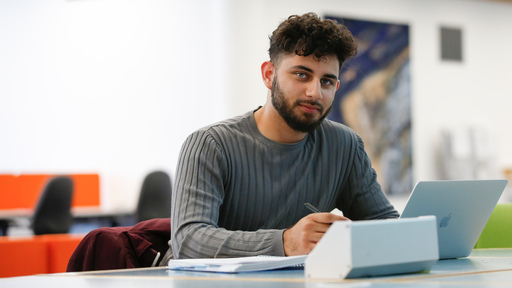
374 99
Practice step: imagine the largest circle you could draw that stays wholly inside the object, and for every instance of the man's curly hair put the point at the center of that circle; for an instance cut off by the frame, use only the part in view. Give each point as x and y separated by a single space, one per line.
309 35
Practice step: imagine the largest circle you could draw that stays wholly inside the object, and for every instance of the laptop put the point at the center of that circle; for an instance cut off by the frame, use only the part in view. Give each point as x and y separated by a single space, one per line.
462 208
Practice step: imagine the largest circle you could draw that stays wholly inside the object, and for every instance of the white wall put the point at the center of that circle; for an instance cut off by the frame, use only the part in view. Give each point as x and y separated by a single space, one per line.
111 86
474 93
115 86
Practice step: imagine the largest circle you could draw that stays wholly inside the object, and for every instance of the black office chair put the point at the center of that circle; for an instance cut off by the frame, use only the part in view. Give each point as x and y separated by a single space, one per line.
53 211
155 197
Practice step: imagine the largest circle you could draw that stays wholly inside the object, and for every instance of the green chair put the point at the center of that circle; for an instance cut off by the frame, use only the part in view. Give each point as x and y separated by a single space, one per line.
498 230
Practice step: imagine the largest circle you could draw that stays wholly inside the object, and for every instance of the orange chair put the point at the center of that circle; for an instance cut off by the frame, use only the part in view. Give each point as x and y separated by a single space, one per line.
23 256
60 247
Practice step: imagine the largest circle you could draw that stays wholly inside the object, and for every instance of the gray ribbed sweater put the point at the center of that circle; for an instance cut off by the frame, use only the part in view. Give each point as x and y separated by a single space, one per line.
236 191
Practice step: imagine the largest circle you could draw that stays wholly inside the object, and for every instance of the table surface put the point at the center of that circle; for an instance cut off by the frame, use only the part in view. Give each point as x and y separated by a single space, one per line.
483 268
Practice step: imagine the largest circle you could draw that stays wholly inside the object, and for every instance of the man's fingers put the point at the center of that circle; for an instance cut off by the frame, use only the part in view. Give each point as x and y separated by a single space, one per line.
327 218
315 237
305 234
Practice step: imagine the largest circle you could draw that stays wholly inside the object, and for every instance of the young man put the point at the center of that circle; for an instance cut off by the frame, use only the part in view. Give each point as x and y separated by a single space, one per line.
241 184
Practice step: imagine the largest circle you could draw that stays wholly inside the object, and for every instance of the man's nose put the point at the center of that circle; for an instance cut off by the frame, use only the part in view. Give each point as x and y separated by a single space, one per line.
314 90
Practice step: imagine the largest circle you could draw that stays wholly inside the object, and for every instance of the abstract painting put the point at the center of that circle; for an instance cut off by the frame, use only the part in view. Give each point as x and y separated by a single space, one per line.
374 99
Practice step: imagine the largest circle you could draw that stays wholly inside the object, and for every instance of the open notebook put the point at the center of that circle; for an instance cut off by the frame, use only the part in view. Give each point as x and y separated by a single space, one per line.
238 264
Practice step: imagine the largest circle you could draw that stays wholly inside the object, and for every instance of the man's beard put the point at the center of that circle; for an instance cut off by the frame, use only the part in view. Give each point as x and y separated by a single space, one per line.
305 123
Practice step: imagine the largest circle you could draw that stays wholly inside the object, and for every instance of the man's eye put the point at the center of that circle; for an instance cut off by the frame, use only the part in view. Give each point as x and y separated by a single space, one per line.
301 75
326 82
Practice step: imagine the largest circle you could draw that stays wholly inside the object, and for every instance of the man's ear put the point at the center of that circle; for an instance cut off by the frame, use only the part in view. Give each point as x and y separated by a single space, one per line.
267 73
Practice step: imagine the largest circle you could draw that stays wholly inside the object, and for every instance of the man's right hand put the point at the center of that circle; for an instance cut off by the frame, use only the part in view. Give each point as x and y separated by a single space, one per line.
303 236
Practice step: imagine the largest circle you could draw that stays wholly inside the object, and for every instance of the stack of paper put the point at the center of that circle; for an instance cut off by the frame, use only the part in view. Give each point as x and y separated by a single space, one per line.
239 264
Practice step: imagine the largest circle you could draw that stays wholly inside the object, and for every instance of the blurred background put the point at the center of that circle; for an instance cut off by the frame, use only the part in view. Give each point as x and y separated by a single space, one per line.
114 87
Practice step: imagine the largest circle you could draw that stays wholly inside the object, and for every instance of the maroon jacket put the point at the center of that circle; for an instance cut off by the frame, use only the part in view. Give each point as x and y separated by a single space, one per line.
122 247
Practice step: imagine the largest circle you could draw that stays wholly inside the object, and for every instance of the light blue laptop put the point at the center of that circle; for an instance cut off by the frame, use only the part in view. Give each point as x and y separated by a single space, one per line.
462 208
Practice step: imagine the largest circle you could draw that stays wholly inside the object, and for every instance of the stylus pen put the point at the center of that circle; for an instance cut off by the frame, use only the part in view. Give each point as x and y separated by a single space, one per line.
311 207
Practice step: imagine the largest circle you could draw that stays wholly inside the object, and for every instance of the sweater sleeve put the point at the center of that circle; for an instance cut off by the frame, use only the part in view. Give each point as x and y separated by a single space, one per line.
363 198
197 199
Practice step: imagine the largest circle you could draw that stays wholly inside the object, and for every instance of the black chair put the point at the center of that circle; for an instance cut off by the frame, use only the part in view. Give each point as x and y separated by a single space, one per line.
53 211
155 197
